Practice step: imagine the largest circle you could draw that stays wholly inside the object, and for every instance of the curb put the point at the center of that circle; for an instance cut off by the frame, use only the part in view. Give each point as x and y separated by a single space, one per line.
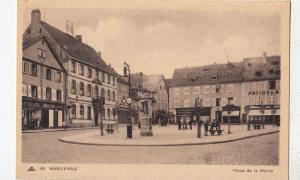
54 130
179 144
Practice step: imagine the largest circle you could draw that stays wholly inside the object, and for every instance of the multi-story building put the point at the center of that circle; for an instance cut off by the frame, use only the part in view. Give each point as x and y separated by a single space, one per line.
43 88
88 75
123 94
157 86
252 83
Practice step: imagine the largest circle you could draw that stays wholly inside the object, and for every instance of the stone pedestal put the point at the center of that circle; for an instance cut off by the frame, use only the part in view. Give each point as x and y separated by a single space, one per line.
146 129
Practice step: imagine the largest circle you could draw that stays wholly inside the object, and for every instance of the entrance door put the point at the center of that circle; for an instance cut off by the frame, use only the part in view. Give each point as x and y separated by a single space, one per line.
45 118
219 116
55 118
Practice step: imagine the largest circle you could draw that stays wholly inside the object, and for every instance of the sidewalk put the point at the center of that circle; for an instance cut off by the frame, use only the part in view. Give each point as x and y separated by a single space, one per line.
166 136
56 129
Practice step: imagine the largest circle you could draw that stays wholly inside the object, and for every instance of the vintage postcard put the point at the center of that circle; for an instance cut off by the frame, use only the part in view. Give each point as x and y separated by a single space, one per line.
152 90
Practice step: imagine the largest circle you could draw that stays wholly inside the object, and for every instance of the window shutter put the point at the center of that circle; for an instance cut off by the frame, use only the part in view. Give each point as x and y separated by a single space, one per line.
29 68
45 72
39 92
44 93
53 94
62 96
53 74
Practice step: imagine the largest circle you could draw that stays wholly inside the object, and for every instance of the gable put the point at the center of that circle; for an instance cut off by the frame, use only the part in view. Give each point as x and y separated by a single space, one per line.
31 53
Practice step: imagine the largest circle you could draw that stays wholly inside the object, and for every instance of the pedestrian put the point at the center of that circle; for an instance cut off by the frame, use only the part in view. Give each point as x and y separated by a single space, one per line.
179 124
190 123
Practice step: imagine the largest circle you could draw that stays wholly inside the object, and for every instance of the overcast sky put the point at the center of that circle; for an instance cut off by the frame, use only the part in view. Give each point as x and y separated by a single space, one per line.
158 41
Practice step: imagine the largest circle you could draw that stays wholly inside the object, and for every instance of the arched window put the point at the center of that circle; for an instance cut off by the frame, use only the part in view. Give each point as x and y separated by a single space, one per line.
102 92
48 93
81 111
96 91
58 95
89 90
81 88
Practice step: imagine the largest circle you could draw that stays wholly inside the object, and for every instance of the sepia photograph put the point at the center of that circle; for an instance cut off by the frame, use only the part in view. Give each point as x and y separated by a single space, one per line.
176 85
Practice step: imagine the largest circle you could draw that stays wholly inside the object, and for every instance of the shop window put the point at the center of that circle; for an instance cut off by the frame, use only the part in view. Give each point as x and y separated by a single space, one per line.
73 90
48 93
73 111
81 112
89 112
89 72
58 95
33 69
34 91
58 77
48 74
272 84
73 69
81 88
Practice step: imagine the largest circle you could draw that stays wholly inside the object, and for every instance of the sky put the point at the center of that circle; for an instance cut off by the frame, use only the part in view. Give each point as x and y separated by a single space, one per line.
157 41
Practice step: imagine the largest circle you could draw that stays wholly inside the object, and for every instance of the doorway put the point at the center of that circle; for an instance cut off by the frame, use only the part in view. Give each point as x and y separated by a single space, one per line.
55 119
45 118
219 116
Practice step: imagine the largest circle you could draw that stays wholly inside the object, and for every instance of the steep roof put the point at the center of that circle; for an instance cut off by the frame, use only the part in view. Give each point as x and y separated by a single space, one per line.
75 48
151 82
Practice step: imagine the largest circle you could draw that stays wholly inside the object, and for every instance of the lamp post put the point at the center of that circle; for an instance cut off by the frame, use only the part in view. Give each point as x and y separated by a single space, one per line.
129 100
198 106
229 108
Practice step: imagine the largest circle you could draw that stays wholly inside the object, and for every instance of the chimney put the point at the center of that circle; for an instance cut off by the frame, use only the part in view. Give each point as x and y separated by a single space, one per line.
99 54
79 37
35 16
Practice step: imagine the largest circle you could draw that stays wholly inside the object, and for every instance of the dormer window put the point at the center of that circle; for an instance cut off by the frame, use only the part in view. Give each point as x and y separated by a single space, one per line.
258 73
215 77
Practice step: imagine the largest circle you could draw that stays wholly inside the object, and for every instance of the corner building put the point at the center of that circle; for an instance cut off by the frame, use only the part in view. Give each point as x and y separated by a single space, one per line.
252 84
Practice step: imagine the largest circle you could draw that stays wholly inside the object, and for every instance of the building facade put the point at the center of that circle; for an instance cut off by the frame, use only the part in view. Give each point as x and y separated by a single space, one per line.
43 86
250 86
88 75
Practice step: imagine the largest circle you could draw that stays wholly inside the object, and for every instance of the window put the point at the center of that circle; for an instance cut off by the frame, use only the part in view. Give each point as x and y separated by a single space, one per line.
218 101
33 69
58 95
230 88
102 92
272 84
108 79
114 81
73 68
81 72
97 75
113 96
186 103
258 73
89 72
81 111
206 90
108 95
177 91
34 91
96 91
89 90
218 88
73 90
230 101
41 53
197 90
108 113
176 103
48 74
103 77
58 77
48 93
81 88
89 112
186 91
73 111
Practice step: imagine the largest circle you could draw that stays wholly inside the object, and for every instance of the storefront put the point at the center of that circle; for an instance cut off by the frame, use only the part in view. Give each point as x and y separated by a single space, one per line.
231 113
268 114
46 114
190 113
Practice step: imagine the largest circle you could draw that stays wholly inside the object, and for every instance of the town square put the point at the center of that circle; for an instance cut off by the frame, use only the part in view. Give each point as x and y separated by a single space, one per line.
79 107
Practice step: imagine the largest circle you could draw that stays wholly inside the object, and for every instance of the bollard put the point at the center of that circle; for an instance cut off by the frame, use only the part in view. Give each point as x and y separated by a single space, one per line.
129 131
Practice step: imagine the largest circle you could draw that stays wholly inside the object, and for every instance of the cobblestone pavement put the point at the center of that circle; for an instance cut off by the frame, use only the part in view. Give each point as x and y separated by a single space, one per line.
46 148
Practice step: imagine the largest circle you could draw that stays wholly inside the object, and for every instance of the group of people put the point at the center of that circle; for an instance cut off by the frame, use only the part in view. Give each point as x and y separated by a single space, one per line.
183 123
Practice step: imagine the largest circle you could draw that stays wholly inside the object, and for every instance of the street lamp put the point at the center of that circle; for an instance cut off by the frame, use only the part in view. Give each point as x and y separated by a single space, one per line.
129 100
198 104
229 108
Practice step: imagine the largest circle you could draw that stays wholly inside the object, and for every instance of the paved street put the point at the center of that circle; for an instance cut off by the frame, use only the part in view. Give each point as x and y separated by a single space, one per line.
45 147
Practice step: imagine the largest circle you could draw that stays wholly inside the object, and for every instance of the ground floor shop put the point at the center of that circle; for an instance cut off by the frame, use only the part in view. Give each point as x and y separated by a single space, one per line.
268 114
42 114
